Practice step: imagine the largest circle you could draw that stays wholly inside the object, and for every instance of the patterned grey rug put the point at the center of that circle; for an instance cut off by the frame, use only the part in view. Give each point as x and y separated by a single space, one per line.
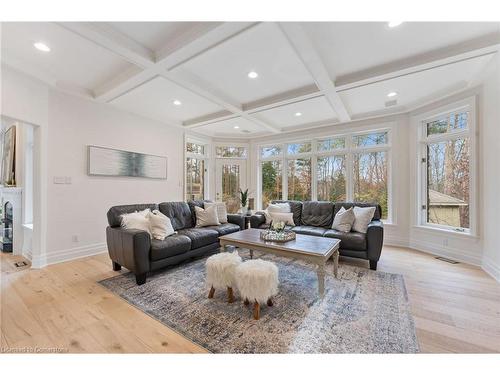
362 312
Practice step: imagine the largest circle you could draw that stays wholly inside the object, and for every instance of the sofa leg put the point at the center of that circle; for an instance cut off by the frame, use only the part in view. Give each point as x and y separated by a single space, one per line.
116 267
373 265
140 279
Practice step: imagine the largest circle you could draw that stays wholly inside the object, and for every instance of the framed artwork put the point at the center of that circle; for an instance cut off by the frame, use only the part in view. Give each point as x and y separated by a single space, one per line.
104 161
9 157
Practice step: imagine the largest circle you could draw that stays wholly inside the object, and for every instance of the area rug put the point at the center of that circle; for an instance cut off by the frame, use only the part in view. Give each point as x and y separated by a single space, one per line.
363 311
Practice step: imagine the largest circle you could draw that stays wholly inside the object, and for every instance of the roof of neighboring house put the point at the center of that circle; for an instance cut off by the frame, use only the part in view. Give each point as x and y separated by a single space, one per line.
439 199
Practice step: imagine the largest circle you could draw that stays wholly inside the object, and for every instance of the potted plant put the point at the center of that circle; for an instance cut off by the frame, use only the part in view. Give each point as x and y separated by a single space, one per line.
244 201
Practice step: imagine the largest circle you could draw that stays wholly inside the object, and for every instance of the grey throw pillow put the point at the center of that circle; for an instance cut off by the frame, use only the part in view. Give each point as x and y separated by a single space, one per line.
344 219
363 216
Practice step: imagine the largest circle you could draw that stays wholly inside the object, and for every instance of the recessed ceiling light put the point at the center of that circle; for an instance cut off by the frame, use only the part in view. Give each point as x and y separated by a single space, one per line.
298 114
236 127
392 24
392 94
41 46
253 74
177 102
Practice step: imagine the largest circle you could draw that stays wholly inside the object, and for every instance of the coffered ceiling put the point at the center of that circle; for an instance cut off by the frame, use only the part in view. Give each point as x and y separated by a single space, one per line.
241 79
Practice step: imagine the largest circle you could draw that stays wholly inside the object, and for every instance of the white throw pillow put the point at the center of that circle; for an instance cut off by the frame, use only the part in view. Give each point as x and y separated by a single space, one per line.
221 210
161 226
344 219
276 207
287 217
206 217
137 220
363 216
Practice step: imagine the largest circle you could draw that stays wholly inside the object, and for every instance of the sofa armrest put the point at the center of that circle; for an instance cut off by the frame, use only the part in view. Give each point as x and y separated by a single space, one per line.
257 219
374 239
236 219
129 248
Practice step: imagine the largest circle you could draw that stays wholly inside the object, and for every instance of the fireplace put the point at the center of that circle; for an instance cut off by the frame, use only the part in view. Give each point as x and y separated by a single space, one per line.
6 229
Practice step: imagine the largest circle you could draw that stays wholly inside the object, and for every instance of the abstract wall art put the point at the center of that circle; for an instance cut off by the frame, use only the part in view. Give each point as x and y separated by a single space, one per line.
110 162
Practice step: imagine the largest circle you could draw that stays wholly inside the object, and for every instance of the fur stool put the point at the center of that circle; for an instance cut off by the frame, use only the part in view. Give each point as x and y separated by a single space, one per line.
257 281
220 273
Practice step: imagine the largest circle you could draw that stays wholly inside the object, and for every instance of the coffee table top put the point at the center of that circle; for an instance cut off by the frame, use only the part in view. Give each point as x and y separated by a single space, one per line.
304 244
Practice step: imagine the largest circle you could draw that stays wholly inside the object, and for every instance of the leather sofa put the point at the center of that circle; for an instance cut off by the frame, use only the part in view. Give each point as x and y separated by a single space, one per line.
139 253
316 218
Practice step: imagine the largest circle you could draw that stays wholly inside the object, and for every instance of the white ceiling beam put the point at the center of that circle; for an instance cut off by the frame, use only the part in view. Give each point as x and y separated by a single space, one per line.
485 45
302 45
112 40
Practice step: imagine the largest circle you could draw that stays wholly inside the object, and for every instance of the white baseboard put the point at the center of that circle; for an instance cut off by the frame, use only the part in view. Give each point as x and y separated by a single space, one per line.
491 268
396 241
69 254
454 254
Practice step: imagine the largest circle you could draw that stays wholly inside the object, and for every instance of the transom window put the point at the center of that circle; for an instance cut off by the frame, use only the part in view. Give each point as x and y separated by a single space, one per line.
446 156
230 152
351 167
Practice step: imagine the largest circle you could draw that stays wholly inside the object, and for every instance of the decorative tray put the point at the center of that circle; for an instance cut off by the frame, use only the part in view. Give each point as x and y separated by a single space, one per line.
275 236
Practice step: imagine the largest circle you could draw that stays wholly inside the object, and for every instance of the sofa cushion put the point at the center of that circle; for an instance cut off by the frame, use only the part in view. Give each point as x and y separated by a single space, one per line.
200 236
225 228
376 216
172 245
115 213
310 230
317 214
179 214
350 240
295 207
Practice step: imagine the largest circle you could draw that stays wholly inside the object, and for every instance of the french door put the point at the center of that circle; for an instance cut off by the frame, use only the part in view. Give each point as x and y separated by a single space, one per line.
231 176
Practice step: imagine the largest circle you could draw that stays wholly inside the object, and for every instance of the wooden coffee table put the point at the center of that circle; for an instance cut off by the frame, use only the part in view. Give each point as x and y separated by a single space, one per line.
312 249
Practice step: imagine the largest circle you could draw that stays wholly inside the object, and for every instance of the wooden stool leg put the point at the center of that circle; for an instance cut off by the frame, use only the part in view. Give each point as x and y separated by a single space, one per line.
269 302
246 302
256 310
230 295
211 293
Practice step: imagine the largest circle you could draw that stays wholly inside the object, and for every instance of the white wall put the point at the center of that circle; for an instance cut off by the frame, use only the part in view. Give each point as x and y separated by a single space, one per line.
490 170
79 209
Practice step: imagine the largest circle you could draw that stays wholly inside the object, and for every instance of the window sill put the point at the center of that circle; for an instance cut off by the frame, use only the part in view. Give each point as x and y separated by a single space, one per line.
447 232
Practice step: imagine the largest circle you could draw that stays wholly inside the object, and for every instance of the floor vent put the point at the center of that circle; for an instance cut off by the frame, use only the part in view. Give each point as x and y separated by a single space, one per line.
447 260
20 264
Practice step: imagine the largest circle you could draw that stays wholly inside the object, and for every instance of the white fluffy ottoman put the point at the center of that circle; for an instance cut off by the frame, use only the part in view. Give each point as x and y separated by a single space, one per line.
220 273
257 281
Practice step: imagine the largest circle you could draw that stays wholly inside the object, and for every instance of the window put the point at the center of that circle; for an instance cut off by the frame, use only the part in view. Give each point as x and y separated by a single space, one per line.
445 170
370 178
195 171
331 178
271 186
352 167
230 152
299 179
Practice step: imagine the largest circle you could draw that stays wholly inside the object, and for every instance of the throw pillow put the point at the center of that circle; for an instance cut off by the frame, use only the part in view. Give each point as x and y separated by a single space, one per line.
363 216
344 219
221 210
276 207
137 220
161 226
287 217
206 217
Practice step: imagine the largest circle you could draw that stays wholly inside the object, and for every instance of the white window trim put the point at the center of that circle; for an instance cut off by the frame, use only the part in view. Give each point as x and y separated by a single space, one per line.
471 132
349 150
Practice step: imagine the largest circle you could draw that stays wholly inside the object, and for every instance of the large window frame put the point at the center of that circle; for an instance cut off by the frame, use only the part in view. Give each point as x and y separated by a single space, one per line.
205 156
348 151
466 105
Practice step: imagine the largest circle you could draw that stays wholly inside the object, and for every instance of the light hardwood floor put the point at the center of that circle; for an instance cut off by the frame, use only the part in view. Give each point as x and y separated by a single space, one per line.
456 308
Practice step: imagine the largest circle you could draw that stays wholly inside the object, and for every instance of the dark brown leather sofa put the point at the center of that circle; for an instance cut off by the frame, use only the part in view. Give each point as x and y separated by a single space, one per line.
139 253
316 218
